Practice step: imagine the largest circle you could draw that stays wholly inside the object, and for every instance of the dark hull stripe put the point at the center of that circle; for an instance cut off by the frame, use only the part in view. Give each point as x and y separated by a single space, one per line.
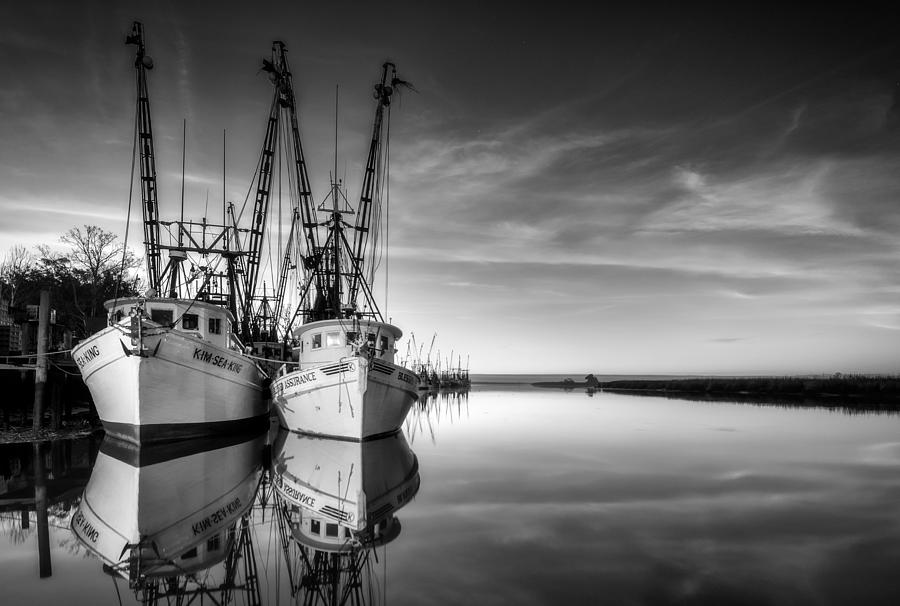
376 436
142 455
171 432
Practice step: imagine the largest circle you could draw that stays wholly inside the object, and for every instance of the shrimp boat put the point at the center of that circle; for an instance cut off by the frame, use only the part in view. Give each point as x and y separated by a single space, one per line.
345 382
153 379
186 364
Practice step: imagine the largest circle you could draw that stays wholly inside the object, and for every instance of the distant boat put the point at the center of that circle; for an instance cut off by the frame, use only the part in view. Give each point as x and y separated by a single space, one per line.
160 515
346 382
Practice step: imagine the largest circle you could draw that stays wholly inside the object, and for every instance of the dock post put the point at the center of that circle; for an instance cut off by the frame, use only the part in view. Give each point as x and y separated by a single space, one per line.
40 372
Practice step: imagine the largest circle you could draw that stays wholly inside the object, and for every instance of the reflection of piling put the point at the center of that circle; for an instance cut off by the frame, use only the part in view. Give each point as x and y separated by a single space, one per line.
40 373
40 505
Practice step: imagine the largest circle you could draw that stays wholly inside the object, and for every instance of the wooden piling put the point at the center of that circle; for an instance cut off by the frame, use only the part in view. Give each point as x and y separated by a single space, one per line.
40 374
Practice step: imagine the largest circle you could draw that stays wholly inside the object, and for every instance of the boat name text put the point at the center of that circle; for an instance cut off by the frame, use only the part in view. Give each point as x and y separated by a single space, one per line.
85 528
215 360
298 380
405 377
217 517
87 355
292 492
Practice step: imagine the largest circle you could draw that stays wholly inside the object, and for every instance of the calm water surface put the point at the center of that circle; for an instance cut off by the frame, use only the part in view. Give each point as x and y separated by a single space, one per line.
531 496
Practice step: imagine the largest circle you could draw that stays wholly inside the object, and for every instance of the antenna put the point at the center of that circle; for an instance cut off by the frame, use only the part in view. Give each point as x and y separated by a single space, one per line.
183 148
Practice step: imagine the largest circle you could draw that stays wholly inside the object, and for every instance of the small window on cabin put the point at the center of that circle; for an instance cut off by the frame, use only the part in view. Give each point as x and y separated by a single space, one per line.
317 341
315 527
189 554
190 322
384 343
215 326
214 544
347 534
331 530
119 315
161 316
333 339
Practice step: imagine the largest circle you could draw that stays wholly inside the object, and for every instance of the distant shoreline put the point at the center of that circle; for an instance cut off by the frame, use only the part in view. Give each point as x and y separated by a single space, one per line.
848 389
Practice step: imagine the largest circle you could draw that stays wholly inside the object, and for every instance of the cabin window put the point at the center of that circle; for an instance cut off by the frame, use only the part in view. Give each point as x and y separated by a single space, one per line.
119 315
317 341
315 527
333 339
384 344
190 322
370 337
331 530
161 316
215 326
347 534
189 554
214 544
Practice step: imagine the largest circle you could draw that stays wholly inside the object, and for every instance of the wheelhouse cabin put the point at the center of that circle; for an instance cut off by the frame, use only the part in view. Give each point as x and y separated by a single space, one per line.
329 340
206 321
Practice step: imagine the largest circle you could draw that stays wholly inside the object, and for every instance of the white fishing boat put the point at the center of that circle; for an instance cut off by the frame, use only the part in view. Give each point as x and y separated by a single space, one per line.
345 382
169 369
167 512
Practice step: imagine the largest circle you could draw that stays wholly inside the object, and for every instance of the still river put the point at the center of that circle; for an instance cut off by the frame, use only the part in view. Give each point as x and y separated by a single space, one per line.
523 496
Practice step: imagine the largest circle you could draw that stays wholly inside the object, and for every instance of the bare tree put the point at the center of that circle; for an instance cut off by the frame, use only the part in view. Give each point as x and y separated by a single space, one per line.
100 257
96 251
13 269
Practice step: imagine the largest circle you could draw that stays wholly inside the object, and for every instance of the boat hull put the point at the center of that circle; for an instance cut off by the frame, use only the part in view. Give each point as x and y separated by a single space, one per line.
354 398
178 387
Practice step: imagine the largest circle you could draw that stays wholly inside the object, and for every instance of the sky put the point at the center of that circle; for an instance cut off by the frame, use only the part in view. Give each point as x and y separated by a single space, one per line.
642 189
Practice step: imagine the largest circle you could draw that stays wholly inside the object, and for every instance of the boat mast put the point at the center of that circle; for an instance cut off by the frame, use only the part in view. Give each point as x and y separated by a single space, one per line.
383 93
149 202
339 266
283 100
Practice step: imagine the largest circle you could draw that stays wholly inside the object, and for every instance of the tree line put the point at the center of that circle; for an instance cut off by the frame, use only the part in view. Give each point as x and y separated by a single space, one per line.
93 266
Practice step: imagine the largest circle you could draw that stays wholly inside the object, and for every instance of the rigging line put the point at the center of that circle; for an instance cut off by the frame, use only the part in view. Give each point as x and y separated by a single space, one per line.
252 179
387 206
128 216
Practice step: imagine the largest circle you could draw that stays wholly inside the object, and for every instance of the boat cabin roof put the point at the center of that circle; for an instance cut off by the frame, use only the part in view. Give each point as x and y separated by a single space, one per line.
348 325
211 309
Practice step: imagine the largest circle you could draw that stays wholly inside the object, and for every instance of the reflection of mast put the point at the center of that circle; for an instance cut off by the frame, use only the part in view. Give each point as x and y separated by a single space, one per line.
175 588
336 574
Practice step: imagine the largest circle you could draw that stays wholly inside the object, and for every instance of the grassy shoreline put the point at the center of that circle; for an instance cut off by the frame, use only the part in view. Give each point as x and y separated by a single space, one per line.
868 389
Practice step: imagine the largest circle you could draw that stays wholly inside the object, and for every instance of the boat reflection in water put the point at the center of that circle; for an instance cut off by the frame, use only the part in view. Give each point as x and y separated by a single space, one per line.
336 502
158 515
